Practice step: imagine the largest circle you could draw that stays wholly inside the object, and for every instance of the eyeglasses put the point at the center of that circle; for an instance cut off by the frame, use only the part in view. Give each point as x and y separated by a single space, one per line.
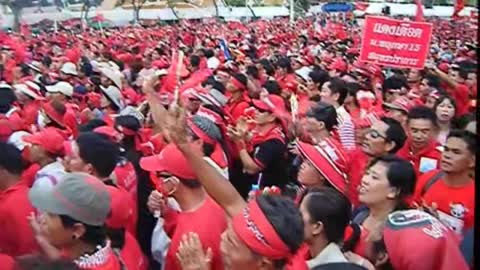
375 134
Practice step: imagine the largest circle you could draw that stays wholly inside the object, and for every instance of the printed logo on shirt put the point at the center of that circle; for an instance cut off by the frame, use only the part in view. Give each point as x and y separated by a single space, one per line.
458 210
427 164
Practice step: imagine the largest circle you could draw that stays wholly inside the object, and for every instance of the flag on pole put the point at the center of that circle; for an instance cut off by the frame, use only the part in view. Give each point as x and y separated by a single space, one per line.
224 47
419 14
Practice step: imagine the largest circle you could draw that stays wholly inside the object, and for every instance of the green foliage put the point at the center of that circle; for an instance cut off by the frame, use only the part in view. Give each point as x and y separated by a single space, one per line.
235 3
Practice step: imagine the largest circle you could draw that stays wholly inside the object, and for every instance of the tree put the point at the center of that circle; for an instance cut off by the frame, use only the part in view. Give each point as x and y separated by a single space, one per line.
137 6
16 6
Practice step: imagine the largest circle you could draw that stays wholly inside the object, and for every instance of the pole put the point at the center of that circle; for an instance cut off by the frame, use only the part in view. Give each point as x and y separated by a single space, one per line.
292 11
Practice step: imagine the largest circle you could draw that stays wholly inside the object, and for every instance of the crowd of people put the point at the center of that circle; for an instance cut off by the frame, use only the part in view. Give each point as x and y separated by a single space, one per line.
208 145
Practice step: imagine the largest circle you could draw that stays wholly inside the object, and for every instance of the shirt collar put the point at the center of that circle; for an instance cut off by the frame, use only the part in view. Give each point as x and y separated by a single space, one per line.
330 254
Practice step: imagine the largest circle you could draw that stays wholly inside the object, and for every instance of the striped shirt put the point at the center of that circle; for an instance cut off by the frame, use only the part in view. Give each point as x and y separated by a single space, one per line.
345 129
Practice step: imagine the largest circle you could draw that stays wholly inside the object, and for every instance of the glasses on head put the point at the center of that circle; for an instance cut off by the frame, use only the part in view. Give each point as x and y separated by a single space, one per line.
375 134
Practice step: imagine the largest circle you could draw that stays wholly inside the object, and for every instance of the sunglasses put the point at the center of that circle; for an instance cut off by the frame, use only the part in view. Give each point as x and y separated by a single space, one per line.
375 134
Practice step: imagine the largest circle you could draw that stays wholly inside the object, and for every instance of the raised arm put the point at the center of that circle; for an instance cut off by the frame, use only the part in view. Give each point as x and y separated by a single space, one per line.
217 186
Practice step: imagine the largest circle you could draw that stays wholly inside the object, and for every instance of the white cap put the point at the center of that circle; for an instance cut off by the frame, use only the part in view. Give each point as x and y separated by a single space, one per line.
16 139
61 87
69 68
35 65
303 73
114 95
30 90
114 75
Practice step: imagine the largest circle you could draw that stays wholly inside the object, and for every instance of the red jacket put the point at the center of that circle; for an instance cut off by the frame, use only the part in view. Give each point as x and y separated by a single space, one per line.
425 160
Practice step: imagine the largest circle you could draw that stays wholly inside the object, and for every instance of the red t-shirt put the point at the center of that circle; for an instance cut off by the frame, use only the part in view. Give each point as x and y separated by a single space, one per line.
28 175
456 205
126 177
132 255
462 100
30 113
235 110
357 165
208 222
425 160
16 235
123 203
7 262
299 260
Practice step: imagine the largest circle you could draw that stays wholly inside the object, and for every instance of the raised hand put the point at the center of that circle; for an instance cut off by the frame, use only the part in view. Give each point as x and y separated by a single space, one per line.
190 253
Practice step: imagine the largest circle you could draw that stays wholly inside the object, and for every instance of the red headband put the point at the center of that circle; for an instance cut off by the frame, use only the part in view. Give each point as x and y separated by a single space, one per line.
200 133
238 84
254 229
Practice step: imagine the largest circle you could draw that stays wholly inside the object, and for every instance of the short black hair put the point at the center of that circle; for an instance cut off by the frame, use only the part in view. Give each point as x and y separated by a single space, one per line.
463 73
99 151
394 82
195 60
267 65
208 53
324 112
285 218
422 112
468 137
400 174
443 98
241 78
94 235
285 63
272 87
319 77
353 88
253 71
332 208
339 86
395 133
432 80
11 159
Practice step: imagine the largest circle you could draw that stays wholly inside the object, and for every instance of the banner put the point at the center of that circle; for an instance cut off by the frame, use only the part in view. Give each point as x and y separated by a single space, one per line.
395 43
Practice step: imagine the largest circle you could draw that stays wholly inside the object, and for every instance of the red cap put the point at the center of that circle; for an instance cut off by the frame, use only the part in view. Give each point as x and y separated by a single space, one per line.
329 160
277 103
444 67
121 210
401 103
52 113
338 65
169 160
49 139
110 132
415 240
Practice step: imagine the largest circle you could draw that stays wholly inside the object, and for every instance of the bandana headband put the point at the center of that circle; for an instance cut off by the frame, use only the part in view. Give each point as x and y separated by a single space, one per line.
254 229
238 84
200 133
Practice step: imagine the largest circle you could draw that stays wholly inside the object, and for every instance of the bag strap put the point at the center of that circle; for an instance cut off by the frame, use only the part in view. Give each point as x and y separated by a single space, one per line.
431 182
123 266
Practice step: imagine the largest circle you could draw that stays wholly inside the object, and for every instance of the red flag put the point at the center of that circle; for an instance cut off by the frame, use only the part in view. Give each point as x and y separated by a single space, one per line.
458 6
419 14
362 6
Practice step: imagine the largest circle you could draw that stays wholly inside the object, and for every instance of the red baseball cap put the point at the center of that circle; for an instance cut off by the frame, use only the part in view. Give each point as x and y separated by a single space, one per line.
275 100
401 103
53 114
415 240
170 160
49 139
329 160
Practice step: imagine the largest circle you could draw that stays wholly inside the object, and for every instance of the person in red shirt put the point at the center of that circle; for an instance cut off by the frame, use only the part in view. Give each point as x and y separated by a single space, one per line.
399 109
72 221
262 233
96 155
62 92
238 102
385 136
414 240
421 147
456 87
16 236
285 73
28 96
385 187
174 177
451 190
